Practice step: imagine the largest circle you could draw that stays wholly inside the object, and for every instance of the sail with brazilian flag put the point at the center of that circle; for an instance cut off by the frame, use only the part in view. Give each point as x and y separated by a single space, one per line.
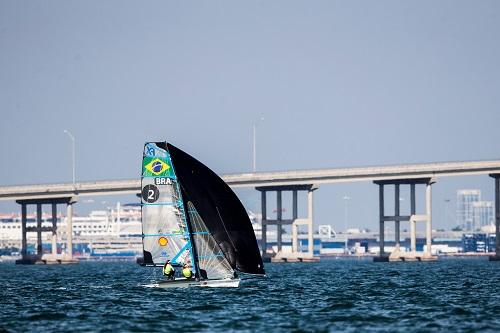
164 226
192 219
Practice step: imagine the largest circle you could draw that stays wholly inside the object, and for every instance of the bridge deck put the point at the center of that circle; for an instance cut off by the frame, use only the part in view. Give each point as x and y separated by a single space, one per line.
322 176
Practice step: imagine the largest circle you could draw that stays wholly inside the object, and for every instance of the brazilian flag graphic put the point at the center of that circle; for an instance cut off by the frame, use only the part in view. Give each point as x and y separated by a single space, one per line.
156 167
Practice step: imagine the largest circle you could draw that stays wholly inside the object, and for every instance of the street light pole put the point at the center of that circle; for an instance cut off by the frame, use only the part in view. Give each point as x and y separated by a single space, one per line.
73 154
255 144
254 149
346 200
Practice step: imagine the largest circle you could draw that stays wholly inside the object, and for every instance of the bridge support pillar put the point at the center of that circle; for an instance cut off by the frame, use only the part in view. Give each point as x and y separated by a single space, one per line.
397 228
263 202
428 224
398 254
413 223
310 210
295 254
279 218
381 242
39 248
295 227
24 243
496 256
36 258
54 230
69 231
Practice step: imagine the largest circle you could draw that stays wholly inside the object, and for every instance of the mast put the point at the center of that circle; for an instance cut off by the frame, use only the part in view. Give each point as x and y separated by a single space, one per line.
182 194
194 254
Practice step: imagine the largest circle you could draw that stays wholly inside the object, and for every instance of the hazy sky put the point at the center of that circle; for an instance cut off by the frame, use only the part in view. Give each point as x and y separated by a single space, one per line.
339 83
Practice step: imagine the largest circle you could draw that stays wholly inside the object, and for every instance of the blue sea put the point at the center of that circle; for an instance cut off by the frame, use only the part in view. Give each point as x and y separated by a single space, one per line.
454 295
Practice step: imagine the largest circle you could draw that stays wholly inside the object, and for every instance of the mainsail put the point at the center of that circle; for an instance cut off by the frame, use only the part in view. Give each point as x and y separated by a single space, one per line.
221 211
191 216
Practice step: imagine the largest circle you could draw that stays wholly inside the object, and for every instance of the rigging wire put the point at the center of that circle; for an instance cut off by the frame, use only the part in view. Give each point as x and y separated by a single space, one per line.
225 229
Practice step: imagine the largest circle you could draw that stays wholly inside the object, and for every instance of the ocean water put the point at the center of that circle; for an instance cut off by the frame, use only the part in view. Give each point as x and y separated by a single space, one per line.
457 295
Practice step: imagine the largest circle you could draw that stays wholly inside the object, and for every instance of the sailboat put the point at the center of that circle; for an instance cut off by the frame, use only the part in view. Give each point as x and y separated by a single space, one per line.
193 219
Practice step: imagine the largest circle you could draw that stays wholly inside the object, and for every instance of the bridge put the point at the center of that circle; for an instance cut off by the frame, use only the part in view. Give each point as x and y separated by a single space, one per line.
298 180
278 178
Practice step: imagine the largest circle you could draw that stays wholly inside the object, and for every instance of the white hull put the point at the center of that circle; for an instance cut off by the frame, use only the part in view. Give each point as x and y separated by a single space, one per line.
184 283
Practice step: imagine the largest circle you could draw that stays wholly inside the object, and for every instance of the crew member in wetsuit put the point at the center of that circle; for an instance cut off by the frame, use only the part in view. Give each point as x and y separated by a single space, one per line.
168 270
186 271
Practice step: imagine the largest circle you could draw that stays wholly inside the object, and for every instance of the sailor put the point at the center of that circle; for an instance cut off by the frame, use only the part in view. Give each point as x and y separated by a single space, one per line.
186 271
168 270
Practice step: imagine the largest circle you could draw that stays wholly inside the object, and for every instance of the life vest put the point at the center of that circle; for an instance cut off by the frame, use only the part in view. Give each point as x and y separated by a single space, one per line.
187 272
168 269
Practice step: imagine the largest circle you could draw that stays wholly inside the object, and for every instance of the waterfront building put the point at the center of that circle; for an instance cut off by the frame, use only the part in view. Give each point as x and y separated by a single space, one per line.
115 232
465 210
478 243
491 242
483 214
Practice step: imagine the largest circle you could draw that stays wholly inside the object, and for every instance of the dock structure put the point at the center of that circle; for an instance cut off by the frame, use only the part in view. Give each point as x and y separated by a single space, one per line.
296 180
37 258
295 255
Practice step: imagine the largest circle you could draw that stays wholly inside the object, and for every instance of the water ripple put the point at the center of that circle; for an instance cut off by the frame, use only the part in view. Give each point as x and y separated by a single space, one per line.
458 295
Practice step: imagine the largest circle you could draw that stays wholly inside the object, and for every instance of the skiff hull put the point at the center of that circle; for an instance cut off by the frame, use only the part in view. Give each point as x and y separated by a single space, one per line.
184 283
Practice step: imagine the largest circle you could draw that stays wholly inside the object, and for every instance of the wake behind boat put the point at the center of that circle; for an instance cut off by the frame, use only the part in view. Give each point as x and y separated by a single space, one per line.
185 283
191 218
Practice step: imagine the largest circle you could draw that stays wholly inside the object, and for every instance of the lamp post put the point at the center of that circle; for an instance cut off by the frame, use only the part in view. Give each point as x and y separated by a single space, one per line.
346 200
69 208
255 143
73 153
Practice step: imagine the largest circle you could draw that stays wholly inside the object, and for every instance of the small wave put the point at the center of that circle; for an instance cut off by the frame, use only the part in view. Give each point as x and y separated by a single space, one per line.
46 316
206 307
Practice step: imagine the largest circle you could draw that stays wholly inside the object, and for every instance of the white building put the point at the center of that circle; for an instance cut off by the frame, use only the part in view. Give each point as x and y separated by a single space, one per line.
465 210
124 221
483 214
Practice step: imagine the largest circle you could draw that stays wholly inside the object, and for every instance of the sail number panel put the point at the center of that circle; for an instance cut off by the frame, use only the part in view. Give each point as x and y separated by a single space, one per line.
153 192
150 193
162 208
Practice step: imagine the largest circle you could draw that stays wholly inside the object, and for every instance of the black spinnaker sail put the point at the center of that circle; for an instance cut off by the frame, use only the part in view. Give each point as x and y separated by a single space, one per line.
221 211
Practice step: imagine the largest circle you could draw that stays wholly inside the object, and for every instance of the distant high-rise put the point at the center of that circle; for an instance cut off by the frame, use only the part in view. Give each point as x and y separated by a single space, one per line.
465 209
483 214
